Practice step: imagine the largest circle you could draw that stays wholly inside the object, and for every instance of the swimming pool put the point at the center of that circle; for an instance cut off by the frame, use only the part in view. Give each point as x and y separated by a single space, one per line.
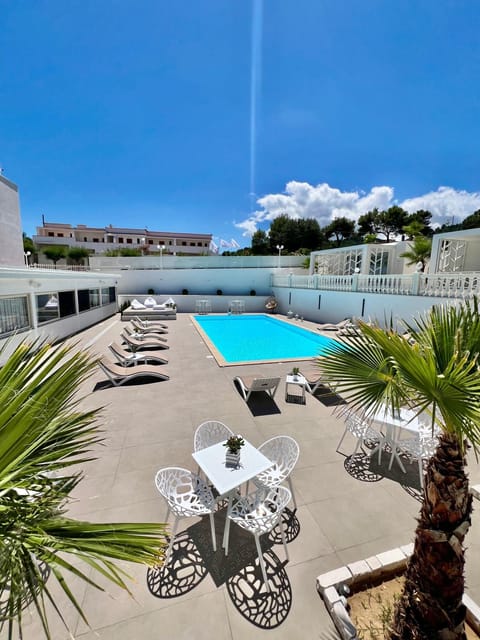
235 339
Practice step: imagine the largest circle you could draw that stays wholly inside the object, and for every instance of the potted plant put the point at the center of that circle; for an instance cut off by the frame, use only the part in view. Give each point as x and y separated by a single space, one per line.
295 372
184 292
232 455
219 292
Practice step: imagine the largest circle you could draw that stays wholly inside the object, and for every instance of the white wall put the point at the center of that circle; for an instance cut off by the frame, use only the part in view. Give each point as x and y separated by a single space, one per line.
197 281
11 241
30 282
337 305
197 262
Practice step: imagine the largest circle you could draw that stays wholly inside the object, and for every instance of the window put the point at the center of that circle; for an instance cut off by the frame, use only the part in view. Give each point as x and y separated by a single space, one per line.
170 242
105 295
150 242
112 293
378 262
13 314
83 300
85 239
94 296
199 244
138 240
66 300
50 234
60 235
184 244
88 299
129 241
47 307
95 239
120 241
192 244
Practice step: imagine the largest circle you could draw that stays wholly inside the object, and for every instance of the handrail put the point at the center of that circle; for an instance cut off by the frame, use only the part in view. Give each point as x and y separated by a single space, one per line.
450 285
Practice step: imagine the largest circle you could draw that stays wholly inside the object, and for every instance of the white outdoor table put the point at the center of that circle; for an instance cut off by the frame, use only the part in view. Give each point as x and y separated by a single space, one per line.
298 381
405 419
227 479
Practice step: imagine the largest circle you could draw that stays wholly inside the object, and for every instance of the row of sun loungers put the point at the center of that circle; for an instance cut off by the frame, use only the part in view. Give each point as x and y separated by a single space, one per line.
142 335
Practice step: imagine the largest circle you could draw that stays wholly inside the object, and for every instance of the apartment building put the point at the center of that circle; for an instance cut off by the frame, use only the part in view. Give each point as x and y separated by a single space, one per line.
101 239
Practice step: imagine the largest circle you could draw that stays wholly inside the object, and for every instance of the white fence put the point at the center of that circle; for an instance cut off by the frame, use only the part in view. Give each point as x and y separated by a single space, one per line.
442 285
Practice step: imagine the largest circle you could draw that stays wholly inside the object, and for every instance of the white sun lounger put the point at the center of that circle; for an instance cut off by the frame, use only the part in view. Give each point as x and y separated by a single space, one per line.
251 384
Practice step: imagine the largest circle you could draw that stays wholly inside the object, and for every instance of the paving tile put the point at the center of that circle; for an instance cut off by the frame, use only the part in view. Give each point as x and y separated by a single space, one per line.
345 516
202 618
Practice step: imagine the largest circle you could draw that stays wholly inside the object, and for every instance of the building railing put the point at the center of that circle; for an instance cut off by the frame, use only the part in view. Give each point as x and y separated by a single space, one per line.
59 267
442 285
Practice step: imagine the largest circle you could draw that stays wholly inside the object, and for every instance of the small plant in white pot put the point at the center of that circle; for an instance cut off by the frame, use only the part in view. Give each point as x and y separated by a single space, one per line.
234 445
295 372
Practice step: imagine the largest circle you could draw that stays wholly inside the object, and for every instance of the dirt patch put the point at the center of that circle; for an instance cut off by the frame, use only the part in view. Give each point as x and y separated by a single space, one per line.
371 610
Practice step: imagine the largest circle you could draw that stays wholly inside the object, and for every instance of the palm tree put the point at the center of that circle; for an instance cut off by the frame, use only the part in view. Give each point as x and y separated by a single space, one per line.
419 251
43 433
438 374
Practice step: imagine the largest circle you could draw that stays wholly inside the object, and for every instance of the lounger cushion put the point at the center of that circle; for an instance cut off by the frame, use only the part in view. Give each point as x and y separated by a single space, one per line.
150 302
136 304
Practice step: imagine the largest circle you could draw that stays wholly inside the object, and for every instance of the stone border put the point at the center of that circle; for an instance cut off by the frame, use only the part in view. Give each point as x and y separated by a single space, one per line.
382 565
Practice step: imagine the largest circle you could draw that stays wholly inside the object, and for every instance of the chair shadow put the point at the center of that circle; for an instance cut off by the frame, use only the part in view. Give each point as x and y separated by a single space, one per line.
260 403
366 468
193 558
184 571
106 384
328 397
247 591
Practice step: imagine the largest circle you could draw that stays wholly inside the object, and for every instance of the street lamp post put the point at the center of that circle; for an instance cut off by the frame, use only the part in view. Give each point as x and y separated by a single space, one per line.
161 248
279 247
26 257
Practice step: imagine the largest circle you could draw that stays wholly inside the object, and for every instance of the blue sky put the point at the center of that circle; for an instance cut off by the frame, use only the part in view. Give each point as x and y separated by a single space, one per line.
141 113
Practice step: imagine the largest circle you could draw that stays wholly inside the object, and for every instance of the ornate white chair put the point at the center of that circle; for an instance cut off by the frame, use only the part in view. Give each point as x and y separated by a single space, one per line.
209 433
259 513
186 495
419 448
283 451
361 429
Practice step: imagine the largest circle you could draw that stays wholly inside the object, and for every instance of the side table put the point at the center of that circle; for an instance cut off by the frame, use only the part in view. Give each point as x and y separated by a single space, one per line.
295 381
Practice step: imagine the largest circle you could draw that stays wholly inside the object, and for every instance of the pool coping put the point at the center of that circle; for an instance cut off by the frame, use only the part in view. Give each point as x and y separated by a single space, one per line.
220 360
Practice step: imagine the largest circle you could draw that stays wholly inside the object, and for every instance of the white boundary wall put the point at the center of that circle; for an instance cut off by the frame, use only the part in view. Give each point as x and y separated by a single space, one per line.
333 306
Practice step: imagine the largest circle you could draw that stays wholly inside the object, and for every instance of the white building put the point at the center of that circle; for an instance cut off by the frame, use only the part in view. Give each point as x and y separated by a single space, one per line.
98 240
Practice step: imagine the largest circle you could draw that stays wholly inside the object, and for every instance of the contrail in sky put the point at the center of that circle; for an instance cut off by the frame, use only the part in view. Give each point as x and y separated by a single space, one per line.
255 81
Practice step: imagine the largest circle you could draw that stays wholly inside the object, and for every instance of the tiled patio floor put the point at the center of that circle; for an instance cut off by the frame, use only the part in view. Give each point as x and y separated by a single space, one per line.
342 516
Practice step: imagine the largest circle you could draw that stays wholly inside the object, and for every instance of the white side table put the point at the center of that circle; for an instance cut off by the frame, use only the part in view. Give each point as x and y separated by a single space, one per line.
295 381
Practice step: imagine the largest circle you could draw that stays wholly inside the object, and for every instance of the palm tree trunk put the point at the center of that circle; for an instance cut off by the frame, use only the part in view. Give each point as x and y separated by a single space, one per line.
431 606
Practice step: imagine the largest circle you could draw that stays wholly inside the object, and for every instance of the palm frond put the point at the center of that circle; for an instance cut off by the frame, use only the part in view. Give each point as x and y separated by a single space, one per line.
439 373
42 430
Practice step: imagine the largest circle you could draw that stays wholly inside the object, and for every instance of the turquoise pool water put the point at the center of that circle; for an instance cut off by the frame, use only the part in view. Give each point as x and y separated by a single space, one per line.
256 338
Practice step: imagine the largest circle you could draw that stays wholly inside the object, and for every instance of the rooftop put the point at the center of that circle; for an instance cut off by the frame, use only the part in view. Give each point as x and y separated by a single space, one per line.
346 512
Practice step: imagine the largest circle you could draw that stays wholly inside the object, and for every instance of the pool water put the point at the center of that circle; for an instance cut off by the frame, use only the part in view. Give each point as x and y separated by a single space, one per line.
258 338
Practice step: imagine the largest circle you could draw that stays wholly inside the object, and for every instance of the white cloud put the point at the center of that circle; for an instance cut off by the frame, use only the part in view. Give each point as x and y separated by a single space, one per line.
324 203
445 203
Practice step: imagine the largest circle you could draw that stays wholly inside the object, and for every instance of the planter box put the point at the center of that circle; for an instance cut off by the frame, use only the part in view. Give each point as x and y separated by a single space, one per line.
383 565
